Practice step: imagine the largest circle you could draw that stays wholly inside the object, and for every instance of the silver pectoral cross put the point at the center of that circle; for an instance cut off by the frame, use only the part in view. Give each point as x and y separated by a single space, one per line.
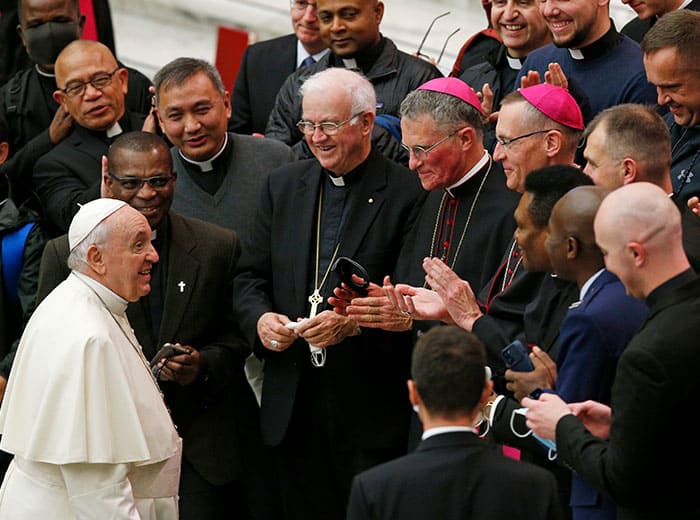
315 300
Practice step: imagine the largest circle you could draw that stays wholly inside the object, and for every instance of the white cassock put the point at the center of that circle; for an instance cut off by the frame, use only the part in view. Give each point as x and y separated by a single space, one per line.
84 418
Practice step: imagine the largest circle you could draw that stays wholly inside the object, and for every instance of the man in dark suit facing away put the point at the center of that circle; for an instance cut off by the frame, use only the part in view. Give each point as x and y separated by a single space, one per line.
453 473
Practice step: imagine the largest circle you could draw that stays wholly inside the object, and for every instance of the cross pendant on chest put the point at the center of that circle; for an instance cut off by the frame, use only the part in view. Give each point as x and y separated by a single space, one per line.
315 300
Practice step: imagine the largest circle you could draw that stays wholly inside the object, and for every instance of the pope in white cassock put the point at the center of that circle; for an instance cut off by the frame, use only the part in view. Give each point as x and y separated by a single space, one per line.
83 416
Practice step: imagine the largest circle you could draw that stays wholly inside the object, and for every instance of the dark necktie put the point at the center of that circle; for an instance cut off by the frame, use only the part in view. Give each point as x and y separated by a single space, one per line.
309 60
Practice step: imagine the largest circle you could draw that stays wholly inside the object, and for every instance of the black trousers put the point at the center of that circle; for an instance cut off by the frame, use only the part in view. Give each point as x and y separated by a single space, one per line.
319 457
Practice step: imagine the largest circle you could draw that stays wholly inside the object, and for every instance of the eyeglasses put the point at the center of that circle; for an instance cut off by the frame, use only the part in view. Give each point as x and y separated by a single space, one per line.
505 143
301 5
99 81
327 127
135 183
420 153
425 37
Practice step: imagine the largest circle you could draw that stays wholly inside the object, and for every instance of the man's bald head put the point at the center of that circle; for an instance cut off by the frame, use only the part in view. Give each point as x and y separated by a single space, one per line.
91 85
638 228
570 242
66 61
640 212
576 211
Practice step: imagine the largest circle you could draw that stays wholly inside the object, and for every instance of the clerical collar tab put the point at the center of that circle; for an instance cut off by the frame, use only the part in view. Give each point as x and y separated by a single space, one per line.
473 171
576 54
600 47
42 73
514 63
351 63
337 181
208 165
115 130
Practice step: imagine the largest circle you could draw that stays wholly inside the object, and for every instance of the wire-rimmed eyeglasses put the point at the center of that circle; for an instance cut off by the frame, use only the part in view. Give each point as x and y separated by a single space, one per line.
420 153
99 81
505 143
327 127
427 32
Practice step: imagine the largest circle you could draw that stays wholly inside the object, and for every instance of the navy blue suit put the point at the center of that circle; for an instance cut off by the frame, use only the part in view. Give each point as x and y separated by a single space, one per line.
592 337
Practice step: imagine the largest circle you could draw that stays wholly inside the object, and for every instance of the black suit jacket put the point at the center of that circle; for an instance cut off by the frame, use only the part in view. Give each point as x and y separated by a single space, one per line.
26 105
217 415
636 28
264 68
275 276
453 476
71 173
645 463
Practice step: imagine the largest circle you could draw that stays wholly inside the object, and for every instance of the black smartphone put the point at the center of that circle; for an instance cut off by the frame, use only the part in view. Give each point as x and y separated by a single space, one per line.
345 267
516 356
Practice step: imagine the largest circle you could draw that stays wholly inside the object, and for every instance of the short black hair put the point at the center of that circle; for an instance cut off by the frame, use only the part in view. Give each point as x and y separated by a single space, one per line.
139 142
549 184
448 370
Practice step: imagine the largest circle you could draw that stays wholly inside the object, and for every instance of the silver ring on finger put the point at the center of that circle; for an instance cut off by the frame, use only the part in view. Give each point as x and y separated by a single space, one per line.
275 344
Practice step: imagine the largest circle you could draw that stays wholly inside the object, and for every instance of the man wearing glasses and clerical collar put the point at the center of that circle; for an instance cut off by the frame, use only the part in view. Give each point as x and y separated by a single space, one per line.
350 28
91 87
333 398
467 219
189 304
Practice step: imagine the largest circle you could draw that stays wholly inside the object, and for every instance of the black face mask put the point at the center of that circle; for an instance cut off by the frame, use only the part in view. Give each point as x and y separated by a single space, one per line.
46 41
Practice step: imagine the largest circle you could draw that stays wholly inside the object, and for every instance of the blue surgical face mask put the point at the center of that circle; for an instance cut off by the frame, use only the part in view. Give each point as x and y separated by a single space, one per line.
46 41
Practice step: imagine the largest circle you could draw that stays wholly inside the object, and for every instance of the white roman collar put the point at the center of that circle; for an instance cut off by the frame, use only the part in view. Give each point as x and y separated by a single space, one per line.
475 169
114 130
208 165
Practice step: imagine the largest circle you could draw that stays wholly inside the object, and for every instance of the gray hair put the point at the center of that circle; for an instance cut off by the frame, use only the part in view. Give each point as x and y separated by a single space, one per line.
179 70
448 112
77 258
355 85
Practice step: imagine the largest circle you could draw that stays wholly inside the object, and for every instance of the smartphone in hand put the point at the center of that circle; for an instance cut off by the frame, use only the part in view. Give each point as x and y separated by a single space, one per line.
516 356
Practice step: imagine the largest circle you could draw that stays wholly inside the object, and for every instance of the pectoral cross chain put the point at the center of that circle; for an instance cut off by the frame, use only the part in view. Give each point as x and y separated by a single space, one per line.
315 300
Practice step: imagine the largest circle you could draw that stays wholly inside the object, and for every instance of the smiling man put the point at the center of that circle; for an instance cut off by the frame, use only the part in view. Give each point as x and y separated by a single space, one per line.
351 29
189 304
91 87
604 63
37 122
671 49
115 452
348 201
220 174
522 29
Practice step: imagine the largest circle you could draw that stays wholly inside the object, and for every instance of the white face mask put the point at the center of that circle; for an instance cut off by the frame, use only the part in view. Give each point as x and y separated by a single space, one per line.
547 443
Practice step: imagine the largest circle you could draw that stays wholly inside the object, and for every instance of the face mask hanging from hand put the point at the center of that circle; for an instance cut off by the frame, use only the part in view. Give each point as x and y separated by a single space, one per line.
46 41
